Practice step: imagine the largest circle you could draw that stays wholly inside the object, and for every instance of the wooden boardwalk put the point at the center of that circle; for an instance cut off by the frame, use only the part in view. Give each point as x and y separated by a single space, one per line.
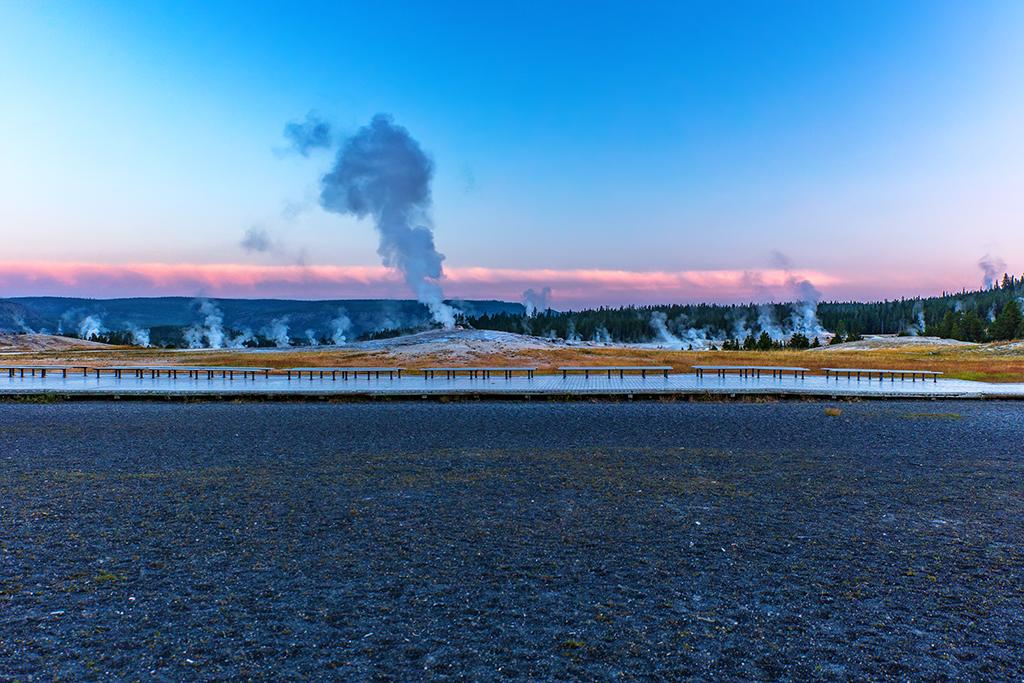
519 386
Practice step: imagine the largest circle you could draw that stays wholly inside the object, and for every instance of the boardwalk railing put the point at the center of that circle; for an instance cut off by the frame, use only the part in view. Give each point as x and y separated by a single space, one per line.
172 371
345 372
750 370
620 369
475 373
869 373
41 370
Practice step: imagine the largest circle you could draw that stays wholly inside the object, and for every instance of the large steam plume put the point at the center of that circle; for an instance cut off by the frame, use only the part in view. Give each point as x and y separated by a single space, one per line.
382 172
991 267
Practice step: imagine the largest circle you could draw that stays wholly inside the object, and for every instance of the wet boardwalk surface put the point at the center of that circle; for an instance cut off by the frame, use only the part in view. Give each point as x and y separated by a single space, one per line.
414 384
523 541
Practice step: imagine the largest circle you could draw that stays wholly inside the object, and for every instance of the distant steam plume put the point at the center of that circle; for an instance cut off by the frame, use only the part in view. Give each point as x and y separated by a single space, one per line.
570 332
209 333
602 336
917 326
240 340
804 314
91 327
804 318
277 332
991 267
659 324
536 302
140 337
340 327
17 323
679 333
382 172
311 134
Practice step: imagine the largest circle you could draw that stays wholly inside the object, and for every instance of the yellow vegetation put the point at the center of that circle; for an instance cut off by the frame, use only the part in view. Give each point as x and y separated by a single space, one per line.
971 363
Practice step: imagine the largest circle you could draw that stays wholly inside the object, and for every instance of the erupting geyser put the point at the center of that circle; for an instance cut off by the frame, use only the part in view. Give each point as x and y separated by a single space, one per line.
382 172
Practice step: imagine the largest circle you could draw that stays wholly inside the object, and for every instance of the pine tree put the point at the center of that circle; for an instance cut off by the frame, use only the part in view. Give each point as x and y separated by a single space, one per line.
946 326
973 328
1007 323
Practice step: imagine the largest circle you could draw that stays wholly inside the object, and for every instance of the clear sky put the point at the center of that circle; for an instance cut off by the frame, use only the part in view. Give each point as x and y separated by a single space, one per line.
617 152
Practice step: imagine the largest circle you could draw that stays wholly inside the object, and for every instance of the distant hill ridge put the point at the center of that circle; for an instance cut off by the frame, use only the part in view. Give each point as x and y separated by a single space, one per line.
321 317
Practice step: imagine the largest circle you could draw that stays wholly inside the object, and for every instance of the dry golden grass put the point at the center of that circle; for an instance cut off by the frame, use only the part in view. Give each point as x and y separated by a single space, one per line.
972 363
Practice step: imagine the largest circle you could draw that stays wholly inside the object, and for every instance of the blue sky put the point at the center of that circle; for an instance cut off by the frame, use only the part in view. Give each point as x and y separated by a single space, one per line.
876 144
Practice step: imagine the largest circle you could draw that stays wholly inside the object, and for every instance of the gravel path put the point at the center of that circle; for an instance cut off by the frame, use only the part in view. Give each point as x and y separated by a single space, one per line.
531 541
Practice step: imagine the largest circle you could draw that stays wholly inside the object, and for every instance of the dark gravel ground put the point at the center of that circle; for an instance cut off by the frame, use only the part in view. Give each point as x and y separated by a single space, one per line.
530 541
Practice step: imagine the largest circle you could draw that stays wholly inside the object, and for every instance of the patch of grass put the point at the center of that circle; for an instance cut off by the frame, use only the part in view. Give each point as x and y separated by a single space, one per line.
106 577
933 416
987 362
37 398
833 412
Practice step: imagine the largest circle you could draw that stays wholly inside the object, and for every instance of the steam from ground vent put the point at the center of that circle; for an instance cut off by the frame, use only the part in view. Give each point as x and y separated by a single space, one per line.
209 333
536 302
340 328
991 267
804 319
277 332
779 321
91 327
140 337
382 172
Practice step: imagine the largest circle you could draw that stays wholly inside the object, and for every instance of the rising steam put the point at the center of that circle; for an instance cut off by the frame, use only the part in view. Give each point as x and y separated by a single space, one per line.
277 332
382 172
209 333
340 327
91 327
140 337
536 302
991 267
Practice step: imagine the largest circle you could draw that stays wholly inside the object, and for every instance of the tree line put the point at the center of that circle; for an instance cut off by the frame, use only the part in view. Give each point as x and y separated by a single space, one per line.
991 314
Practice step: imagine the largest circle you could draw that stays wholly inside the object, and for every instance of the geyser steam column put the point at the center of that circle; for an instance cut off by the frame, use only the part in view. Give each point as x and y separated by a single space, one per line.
383 173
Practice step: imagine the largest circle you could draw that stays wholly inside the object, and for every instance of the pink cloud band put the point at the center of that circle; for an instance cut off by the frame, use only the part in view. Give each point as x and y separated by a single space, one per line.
572 287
